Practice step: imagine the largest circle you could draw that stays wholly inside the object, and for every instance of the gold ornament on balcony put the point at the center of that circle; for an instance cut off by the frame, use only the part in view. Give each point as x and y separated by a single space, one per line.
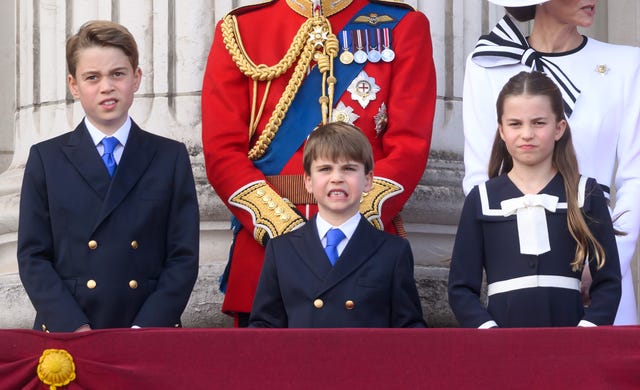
56 368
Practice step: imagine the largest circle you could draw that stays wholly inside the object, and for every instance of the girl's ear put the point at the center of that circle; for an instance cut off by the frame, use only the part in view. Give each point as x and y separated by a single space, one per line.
560 128
500 131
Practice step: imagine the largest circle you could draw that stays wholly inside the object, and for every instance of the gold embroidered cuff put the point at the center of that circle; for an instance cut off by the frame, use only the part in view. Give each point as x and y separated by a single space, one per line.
371 202
271 215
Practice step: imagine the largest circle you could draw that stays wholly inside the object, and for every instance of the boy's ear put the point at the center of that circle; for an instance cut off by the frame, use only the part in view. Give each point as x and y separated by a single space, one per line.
73 86
368 184
138 76
307 183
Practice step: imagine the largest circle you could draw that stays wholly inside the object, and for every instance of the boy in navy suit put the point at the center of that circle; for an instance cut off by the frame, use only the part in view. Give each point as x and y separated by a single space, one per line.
337 271
109 225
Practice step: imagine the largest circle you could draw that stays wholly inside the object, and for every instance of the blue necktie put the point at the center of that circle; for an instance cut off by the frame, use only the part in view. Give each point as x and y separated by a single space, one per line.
109 144
334 237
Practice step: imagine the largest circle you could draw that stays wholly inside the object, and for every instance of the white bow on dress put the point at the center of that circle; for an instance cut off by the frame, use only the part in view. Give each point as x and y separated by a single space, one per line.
532 221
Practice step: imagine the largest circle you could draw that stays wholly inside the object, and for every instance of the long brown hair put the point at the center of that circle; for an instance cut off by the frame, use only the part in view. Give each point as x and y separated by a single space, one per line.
563 159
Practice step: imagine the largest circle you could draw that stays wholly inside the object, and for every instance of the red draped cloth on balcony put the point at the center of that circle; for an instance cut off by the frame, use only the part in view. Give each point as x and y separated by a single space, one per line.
552 358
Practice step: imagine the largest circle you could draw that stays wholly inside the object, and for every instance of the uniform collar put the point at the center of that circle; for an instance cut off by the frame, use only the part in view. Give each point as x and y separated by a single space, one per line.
328 7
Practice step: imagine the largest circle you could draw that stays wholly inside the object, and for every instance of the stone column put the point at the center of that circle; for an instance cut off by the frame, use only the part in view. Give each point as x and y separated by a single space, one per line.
173 41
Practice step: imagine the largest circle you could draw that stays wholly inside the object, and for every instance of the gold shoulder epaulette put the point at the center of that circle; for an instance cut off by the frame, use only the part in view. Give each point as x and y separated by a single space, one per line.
396 3
371 202
247 8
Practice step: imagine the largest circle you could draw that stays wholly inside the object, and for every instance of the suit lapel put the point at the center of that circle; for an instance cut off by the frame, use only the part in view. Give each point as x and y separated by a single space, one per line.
306 242
136 157
83 155
363 245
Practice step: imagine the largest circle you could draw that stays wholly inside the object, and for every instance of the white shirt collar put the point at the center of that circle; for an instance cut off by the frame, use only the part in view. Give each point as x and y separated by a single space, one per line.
348 227
122 134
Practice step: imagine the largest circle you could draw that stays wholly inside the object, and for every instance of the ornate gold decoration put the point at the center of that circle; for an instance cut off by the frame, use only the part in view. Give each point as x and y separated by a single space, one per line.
272 215
313 41
602 69
373 19
371 202
329 7
56 368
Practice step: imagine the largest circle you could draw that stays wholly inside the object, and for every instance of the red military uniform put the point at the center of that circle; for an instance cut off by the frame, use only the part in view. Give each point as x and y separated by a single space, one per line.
396 114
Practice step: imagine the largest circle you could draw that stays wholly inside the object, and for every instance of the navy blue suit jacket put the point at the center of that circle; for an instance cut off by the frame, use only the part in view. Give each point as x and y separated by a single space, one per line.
108 252
371 284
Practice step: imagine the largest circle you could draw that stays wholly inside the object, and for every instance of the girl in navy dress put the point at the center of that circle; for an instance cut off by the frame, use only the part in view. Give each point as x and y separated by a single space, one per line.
534 225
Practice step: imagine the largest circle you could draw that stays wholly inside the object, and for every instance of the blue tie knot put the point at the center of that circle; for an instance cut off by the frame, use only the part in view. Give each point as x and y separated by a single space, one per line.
334 238
109 144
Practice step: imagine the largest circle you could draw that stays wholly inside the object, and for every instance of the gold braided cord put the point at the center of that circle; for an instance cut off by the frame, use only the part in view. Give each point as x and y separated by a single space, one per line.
233 43
304 46
255 118
325 65
272 126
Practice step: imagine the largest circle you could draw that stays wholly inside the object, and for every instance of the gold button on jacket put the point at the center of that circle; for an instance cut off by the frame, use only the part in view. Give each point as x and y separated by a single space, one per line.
133 284
93 244
318 303
91 284
134 244
349 305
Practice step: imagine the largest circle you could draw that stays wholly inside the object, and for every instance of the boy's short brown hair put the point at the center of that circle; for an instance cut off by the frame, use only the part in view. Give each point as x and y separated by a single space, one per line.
338 141
101 33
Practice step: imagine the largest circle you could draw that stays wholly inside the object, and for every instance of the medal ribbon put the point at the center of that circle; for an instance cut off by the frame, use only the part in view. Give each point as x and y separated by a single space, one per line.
387 38
300 121
359 39
345 40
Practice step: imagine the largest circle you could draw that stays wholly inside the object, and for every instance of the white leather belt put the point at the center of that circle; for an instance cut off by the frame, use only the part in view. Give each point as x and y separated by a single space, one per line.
534 281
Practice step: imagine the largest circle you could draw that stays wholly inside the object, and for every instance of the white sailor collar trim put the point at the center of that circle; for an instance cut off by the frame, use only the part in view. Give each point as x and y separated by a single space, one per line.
498 212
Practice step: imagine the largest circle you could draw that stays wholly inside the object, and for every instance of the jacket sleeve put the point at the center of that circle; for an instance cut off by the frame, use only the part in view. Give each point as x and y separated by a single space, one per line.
411 106
467 262
48 293
480 124
406 311
226 142
605 288
268 309
165 305
627 177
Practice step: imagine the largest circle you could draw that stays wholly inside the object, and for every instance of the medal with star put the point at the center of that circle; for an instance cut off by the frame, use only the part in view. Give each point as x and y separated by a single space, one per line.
344 113
363 89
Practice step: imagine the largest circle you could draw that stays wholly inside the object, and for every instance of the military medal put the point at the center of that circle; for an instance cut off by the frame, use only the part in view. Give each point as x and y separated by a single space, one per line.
346 57
343 113
381 119
359 56
363 89
387 54
374 53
